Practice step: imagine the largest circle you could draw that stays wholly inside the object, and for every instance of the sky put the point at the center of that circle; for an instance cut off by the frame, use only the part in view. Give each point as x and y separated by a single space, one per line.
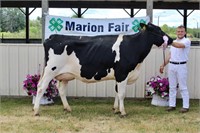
160 17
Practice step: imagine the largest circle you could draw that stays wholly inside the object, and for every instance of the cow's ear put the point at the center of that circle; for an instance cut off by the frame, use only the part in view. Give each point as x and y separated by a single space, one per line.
143 26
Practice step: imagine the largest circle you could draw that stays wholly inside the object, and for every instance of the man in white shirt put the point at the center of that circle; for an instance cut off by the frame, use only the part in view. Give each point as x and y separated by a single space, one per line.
177 69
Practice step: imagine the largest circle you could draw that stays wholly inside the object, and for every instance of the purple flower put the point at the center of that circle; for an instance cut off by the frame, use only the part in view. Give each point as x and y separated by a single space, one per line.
159 85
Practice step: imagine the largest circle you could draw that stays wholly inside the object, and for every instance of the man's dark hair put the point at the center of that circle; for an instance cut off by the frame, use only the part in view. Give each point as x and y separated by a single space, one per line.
181 26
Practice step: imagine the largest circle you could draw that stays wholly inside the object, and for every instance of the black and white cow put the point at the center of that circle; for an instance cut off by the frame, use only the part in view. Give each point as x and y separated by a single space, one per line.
97 58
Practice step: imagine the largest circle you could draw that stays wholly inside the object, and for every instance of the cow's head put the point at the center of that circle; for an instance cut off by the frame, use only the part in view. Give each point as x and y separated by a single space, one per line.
157 34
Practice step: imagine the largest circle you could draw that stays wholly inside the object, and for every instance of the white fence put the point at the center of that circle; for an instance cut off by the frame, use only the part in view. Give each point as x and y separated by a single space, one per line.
18 60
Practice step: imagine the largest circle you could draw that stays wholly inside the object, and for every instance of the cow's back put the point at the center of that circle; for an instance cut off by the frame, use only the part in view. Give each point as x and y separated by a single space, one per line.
93 56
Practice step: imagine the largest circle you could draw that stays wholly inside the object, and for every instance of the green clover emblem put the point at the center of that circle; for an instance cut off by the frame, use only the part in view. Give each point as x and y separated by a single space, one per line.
55 24
136 24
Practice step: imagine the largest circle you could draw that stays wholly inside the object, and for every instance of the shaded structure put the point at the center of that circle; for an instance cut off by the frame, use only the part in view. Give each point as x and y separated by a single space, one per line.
184 5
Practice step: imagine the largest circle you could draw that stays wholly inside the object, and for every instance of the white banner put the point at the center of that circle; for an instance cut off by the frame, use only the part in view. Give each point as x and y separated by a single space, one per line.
92 27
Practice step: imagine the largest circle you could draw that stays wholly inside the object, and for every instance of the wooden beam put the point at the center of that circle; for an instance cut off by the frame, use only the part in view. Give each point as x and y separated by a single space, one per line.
157 4
45 11
149 9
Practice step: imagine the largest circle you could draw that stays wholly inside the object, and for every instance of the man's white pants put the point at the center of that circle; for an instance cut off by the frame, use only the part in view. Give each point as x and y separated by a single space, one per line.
178 74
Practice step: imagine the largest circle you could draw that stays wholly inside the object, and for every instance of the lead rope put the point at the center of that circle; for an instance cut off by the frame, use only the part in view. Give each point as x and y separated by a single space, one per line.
165 38
164 60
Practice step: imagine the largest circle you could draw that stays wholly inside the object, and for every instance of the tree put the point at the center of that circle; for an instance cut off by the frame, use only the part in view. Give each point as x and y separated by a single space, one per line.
165 28
36 28
169 30
12 20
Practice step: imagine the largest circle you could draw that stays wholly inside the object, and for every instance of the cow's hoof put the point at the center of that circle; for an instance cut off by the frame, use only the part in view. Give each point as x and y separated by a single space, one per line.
67 110
123 116
116 111
37 114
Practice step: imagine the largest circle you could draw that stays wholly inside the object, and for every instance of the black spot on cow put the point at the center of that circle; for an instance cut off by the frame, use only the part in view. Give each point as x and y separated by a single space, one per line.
53 68
108 70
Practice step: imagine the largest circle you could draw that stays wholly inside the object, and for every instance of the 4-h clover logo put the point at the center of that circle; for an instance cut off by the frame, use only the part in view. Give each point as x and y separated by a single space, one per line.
55 24
136 24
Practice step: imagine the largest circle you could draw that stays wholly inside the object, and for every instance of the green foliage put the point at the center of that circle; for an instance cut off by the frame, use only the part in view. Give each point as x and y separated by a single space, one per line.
193 34
12 24
171 31
20 34
35 30
12 20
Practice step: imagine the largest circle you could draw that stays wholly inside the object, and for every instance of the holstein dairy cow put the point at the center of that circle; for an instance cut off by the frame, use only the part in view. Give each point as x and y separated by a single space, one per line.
97 58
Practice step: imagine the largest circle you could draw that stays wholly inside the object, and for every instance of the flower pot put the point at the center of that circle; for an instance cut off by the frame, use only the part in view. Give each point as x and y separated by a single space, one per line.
159 101
43 101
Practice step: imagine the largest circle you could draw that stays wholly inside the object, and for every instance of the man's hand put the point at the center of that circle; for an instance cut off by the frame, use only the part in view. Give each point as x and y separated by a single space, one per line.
161 69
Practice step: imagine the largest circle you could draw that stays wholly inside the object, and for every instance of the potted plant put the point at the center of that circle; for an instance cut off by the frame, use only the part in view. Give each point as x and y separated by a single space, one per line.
30 86
158 88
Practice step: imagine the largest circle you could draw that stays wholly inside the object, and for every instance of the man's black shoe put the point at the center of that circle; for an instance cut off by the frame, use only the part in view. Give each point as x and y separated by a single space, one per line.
184 110
170 109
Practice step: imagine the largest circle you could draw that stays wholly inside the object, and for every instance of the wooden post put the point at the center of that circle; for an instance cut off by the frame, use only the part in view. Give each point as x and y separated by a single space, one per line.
79 15
45 11
132 12
185 18
149 8
1 40
27 25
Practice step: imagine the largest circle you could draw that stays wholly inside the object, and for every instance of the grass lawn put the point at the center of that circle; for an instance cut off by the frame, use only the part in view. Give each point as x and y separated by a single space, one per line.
94 115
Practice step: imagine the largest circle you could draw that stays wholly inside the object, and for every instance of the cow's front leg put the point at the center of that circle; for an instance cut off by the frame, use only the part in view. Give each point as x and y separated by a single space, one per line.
62 92
121 95
41 88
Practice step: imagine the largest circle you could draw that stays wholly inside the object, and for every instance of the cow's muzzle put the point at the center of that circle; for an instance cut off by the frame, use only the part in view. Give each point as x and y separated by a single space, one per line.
165 38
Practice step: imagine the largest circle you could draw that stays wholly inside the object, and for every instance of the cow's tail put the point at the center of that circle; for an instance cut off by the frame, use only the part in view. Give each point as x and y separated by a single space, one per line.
39 72
116 88
45 58
46 49
43 67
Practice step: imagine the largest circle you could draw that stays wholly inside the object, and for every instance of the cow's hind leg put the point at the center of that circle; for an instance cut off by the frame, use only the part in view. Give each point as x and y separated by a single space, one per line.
121 96
41 88
62 92
116 104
